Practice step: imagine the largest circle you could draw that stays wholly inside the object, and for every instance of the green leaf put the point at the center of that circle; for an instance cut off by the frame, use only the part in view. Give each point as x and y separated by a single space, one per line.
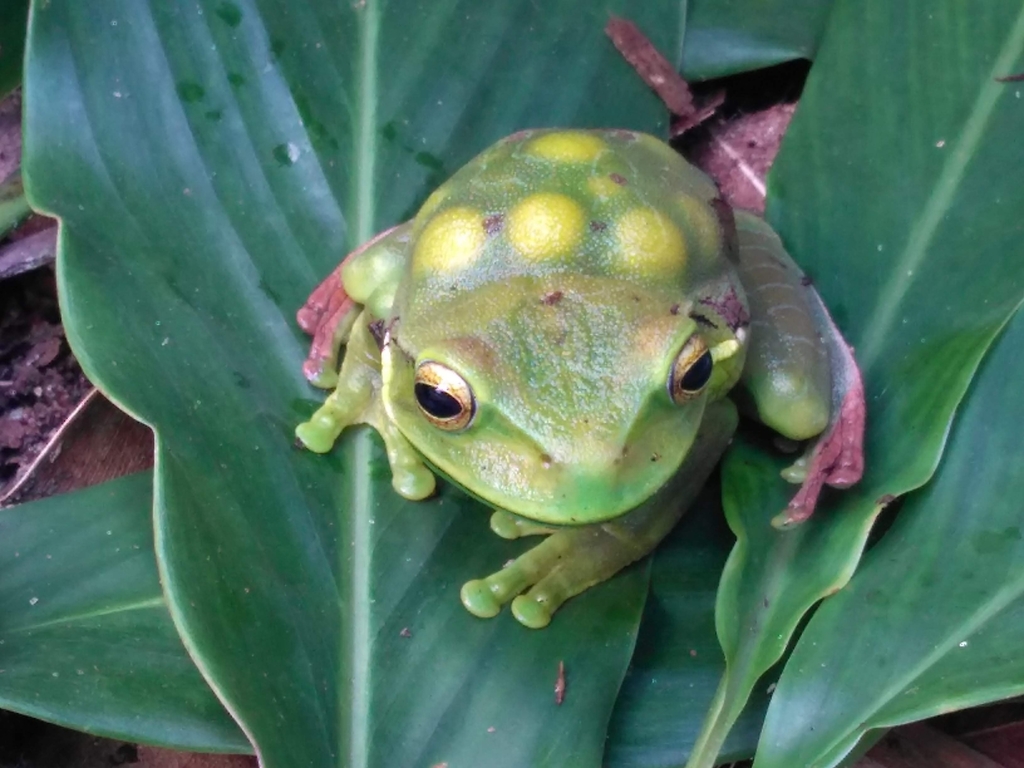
933 619
85 637
768 583
448 688
902 200
13 22
221 159
677 663
724 37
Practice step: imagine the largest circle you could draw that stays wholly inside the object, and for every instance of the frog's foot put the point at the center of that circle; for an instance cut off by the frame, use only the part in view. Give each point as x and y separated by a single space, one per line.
312 313
410 477
344 406
510 526
565 564
836 457
327 316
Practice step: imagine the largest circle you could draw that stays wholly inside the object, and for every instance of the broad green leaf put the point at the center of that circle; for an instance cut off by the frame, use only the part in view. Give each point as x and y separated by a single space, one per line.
768 583
724 37
932 620
677 663
210 164
13 22
909 224
85 636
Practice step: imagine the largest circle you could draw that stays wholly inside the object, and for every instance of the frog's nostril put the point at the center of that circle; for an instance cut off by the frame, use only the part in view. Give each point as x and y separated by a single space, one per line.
546 461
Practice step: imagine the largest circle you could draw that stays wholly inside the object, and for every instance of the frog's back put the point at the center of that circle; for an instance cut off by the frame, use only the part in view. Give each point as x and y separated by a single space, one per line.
602 203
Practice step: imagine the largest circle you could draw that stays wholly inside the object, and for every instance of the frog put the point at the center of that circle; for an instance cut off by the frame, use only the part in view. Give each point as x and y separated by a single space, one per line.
568 329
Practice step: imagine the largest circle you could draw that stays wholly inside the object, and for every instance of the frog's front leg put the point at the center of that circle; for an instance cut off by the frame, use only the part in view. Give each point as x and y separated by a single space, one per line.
357 400
572 559
800 374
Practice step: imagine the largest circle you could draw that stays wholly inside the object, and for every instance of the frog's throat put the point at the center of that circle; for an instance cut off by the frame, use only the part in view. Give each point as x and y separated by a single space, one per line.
477 497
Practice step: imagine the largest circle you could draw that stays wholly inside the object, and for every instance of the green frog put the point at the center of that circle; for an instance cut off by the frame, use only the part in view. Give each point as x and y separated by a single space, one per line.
558 331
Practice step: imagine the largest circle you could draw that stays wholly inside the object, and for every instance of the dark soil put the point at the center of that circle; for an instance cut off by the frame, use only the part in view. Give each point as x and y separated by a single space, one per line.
737 147
29 743
40 380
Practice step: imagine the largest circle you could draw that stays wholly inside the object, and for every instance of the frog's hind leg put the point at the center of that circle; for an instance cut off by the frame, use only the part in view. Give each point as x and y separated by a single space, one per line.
800 377
572 559
786 374
328 316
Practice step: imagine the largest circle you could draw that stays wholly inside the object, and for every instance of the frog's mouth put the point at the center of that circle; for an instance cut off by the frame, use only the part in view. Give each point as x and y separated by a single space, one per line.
564 496
477 497
576 521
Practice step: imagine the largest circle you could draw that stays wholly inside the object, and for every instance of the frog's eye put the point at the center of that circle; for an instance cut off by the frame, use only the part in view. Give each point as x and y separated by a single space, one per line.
444 397
691 371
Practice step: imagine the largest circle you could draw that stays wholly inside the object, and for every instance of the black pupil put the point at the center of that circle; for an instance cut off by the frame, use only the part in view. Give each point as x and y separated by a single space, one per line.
698 375
437 403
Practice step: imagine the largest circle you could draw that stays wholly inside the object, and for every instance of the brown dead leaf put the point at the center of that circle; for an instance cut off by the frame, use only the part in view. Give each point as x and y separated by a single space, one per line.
151 757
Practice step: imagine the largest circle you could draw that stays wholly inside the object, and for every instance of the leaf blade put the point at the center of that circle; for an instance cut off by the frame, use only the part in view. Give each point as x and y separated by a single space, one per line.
225 147
85 637
919 336
675 670
954 545
732 36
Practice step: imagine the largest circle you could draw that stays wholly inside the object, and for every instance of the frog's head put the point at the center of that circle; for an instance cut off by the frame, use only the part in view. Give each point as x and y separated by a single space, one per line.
567 407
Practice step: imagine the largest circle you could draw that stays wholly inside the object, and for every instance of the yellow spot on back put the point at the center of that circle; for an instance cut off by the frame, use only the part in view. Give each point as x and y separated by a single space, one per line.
702 225
603 186
567 147
649 241
546 224
452 240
